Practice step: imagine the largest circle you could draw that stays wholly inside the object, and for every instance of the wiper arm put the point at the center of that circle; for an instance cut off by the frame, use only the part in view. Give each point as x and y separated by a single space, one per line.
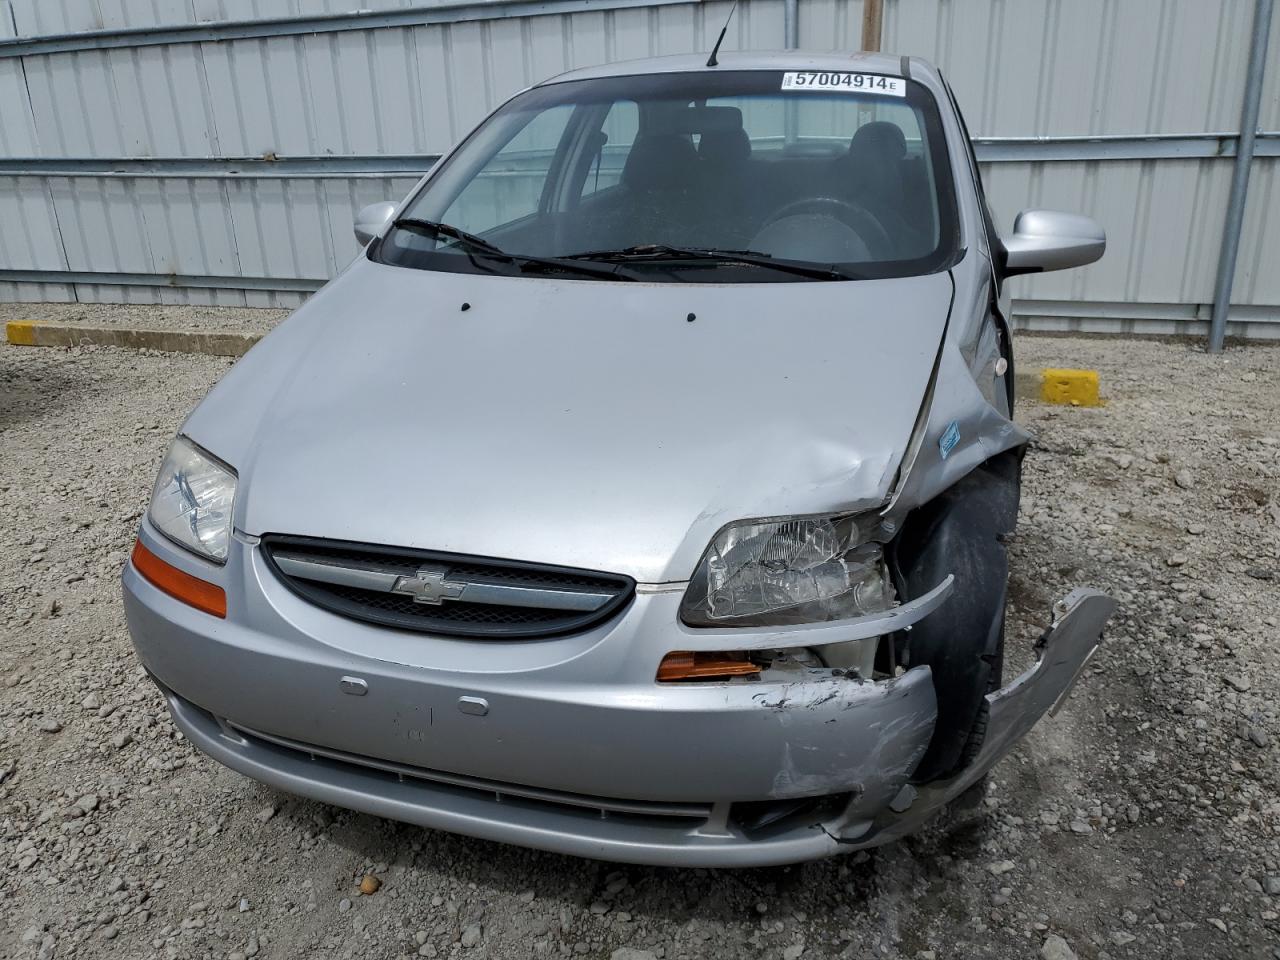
435 228
660 252
473 244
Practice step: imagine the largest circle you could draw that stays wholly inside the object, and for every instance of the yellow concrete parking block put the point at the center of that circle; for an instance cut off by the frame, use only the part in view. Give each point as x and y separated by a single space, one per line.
1076 388
222 343
21 332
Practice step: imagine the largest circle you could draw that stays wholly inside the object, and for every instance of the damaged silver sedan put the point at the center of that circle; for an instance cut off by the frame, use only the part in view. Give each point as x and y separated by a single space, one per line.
639 492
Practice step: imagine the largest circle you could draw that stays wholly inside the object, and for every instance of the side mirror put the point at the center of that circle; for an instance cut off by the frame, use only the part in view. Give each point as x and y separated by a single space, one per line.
371 220
1047 240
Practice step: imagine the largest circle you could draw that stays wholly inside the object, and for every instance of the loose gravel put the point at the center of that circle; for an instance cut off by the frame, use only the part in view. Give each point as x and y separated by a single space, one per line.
1141 822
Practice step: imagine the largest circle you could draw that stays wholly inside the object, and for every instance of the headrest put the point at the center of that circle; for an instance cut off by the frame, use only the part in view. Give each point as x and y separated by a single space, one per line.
703 120
725 146
881 140
657 161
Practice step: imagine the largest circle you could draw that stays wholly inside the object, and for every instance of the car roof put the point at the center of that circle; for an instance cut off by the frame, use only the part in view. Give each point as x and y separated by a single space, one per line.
886 63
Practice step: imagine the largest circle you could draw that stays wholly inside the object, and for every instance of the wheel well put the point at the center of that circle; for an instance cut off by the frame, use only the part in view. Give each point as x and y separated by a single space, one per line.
960 532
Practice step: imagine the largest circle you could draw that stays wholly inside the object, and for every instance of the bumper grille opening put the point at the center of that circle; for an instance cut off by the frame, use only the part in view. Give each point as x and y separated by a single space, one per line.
445 594
652 811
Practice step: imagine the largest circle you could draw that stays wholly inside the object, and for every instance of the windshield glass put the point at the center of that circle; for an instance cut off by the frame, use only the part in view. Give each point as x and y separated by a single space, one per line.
740 176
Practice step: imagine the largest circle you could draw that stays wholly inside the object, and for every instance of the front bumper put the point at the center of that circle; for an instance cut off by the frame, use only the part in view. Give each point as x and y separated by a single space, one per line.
548 744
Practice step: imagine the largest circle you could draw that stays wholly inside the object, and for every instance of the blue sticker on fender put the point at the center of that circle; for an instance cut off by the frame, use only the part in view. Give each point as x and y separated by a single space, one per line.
950 437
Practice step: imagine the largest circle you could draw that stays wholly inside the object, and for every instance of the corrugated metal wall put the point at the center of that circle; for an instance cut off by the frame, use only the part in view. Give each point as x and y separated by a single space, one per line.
348 108
1116 68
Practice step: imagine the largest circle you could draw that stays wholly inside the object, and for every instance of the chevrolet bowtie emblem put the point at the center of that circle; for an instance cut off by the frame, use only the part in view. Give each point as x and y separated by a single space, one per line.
429 585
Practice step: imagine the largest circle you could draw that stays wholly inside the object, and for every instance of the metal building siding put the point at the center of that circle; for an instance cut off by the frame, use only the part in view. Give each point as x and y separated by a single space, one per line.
29 236
1258 270
17 124
391 90
301 228
1257 276
1269 111
40 17
28 227
831 25
1147 208
43 17
1109 67
1082 67
1021 68
117 103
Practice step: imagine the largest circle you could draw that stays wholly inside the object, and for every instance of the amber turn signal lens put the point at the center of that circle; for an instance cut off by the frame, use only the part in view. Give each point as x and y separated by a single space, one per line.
179 584
684 665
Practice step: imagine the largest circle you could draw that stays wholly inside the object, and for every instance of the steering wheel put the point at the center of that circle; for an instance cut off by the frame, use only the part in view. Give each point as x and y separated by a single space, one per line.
863 221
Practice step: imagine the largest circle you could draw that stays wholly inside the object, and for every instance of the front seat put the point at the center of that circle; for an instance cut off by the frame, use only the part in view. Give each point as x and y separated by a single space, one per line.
659 181
728 190
871 175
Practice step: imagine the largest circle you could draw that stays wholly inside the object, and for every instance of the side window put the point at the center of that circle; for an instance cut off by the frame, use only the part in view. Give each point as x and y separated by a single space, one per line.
510 186
620 128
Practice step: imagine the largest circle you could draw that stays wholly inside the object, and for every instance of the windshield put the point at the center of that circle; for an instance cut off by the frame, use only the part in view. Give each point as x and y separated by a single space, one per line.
740 176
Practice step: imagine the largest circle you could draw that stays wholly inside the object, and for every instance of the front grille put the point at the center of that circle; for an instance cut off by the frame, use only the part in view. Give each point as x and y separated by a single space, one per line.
442 593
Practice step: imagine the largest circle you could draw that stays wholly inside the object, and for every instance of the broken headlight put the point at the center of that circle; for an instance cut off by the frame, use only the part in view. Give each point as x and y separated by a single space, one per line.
789 571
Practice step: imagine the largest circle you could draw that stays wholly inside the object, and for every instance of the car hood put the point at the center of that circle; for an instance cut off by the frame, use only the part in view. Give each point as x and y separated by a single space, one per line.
611 426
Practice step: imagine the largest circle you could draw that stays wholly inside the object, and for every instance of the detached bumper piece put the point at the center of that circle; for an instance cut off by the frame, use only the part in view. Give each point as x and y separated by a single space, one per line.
719 834
1068 644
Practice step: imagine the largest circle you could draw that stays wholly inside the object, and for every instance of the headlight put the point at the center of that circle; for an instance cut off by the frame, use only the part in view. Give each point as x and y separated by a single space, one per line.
788 571
191 503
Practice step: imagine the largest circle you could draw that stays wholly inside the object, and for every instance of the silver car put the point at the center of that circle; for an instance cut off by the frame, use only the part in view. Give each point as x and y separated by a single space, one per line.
640 491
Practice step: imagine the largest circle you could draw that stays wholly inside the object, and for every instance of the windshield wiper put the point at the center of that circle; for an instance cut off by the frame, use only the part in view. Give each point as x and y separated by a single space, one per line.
661 252
434 228
472 244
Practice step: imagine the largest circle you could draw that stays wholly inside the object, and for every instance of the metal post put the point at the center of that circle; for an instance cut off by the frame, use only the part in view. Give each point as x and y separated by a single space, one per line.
1240 173
872 21
790 25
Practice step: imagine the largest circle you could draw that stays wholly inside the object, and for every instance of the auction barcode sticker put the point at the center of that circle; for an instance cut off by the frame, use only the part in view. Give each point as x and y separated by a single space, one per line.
844 83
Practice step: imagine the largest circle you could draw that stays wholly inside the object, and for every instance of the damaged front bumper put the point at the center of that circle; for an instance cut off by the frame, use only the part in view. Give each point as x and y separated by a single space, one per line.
1064 649
687 775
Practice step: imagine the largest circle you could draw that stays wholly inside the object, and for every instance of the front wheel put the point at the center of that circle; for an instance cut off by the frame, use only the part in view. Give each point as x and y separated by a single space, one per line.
960 534
978 733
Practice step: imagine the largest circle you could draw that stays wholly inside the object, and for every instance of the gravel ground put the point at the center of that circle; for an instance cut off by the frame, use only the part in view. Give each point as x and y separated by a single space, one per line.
1141 822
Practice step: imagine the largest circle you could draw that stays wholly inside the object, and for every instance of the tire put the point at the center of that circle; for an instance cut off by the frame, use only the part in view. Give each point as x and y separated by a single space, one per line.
961 533
978 733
